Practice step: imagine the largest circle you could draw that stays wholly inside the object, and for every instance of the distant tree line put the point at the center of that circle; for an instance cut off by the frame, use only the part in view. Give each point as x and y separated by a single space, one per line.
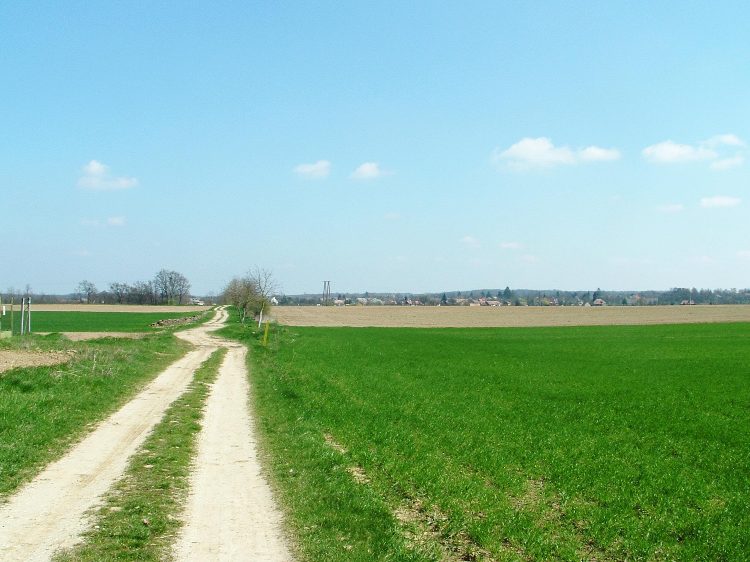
530 297
167 287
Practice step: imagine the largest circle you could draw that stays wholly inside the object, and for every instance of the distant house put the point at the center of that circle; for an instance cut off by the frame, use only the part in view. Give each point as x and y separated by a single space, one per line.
339 302
599 302
274 301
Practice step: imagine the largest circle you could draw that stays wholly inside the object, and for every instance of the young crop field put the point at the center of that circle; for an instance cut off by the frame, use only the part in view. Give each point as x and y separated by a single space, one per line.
605 443
75 321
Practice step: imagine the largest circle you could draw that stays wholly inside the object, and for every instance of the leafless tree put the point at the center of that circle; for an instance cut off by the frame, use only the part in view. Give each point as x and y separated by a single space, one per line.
119 291
251 293
265 287
88 290
142 292
171 286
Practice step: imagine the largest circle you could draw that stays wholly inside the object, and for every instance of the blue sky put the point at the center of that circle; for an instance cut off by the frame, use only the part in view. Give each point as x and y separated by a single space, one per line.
404 146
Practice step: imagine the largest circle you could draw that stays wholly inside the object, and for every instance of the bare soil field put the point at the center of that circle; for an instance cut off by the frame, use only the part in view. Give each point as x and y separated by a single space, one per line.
112 308
511 316
12 358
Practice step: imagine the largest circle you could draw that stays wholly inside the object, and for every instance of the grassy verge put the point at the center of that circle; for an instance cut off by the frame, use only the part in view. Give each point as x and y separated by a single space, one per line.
506 444
139 518
43 321
44 410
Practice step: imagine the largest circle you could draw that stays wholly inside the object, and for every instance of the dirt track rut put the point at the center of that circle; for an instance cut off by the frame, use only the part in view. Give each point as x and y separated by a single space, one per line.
49 513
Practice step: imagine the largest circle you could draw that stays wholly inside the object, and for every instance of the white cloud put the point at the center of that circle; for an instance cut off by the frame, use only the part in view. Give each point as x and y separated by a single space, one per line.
726 163
722 151
318 170
541 153
669 152
110 221
744 254
672 208
702 260
727 139
720 201
470 241
392 216
96 177
368 171
597 154
511 245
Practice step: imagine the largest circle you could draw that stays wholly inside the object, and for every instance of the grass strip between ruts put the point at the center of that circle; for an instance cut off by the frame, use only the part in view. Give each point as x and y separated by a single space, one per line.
139 519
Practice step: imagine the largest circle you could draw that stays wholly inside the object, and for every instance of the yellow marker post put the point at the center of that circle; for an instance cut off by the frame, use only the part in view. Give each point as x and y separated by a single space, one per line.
265 336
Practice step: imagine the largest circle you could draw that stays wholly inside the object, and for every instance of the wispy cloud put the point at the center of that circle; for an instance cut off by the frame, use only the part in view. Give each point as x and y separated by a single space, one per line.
540 152
511 245
368 171
722 151
720 201
672 208
669 152
469 241
744 254
727 163
109 221
116 221
597 154
392 216
96 177
318 170
726 139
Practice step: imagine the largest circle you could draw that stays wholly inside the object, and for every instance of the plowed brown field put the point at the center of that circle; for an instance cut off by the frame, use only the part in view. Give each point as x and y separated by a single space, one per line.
511 316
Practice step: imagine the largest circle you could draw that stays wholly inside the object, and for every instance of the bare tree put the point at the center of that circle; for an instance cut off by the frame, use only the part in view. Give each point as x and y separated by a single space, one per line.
181 286
265 287
119 291
161 284
240 293
251 293
142 292
86 289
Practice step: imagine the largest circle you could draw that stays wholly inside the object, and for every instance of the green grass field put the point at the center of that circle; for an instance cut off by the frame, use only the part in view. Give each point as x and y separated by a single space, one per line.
606 443
91 321
43 410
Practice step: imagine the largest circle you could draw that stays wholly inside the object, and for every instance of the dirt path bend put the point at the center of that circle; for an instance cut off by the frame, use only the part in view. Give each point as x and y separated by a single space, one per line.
230 514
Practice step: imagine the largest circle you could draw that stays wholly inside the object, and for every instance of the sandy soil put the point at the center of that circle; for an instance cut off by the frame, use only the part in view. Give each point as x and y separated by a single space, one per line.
50 512
12 358
108 308
511 316
230 514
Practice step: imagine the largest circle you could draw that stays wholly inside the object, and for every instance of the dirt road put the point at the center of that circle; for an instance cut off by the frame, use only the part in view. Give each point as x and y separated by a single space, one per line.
50 512
230 514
